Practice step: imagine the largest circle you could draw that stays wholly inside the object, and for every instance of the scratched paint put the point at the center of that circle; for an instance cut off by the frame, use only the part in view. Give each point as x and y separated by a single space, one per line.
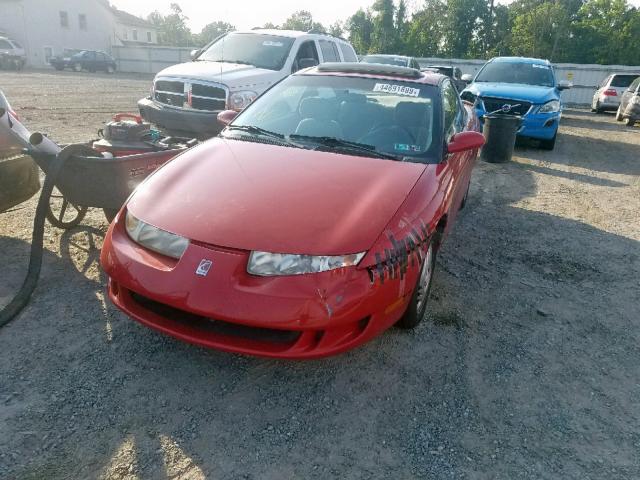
404 253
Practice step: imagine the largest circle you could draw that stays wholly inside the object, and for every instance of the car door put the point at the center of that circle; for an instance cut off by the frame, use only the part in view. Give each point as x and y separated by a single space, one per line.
456 167
89 61
306 50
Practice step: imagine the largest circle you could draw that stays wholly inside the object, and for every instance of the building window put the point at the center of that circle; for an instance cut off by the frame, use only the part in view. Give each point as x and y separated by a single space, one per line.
82 21
135 34
149 37
64 19
126 34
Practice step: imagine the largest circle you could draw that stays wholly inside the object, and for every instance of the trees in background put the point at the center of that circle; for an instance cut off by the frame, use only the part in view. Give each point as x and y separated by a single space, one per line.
580 31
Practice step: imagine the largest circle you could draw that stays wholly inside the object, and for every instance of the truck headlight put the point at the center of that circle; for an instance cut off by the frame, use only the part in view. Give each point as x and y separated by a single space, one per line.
154 238
550 107
267 264
240 100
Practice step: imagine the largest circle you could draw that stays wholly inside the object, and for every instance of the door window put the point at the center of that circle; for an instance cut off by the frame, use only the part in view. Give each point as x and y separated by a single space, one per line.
329 51
347 53
634 85
307 50
452 109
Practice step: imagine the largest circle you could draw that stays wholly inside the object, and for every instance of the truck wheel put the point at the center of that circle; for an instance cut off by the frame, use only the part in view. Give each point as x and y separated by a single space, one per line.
630 122
418 303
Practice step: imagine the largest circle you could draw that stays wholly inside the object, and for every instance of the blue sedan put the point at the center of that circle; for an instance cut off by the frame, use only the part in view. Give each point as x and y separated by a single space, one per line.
529 87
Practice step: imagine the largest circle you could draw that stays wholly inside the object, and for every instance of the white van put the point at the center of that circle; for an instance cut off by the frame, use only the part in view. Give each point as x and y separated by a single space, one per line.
231 72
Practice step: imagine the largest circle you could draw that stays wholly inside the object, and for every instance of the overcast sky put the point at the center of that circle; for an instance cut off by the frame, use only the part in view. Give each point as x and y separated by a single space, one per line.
248 13
254 13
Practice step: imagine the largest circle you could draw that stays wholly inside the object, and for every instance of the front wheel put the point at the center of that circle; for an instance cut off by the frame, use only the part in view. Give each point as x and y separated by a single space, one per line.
418 303
619 114
549 144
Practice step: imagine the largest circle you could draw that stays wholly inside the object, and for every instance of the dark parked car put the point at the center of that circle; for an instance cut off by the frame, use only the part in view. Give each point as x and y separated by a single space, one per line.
397 60
452 72
629 109
90 60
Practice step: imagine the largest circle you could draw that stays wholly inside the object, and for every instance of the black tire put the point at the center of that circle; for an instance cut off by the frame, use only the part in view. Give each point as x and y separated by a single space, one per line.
418 303
549 144
62 213
110 214
466 196
619 114
630 122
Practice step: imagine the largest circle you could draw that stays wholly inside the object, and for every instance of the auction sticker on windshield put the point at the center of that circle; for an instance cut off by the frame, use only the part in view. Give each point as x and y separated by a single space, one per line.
396 89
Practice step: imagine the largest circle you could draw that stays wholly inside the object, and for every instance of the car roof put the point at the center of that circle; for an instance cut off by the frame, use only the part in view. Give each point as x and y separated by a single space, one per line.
374 70
285 33
535 61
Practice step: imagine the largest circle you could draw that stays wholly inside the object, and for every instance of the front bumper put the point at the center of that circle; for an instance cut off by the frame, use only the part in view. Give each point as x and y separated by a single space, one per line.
541 126
180 120
296 317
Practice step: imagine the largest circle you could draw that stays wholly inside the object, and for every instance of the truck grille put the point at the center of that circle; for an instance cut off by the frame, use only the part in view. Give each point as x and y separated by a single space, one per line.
190 95
492 104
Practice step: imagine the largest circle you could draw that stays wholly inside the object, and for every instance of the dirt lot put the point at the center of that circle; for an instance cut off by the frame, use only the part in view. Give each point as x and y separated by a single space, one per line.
527 366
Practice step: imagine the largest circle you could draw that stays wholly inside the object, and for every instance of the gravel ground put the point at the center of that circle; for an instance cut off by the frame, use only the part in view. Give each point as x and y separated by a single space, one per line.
527 366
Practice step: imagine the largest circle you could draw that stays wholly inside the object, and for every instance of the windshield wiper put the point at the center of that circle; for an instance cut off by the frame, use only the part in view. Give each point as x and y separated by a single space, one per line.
333 142
252 129
239 62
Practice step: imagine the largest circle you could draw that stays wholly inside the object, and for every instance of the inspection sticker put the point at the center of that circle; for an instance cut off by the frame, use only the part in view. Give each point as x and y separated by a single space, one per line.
397 89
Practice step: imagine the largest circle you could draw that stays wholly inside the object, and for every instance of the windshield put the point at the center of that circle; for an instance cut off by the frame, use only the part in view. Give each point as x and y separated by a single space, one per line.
262 51
396 119
385 60
517 72
622 81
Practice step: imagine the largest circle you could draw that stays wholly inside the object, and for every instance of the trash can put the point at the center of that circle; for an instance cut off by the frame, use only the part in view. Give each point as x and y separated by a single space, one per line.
500 135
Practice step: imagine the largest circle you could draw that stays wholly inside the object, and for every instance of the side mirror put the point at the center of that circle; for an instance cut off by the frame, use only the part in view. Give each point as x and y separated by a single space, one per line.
226 117
464 141
467 77
307 63
564 85
194 54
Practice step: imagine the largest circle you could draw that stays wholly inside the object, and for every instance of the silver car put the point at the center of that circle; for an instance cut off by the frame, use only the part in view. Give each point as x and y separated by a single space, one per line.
607 96
629 109
12 55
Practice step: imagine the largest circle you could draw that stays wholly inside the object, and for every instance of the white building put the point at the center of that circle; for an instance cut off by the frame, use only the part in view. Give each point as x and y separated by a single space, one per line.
49 27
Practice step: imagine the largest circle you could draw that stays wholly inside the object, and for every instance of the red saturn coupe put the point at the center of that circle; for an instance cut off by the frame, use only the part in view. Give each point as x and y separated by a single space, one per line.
310 225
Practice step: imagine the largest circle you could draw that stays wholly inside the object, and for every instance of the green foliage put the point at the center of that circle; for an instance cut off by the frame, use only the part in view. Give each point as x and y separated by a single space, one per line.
580 31
212 31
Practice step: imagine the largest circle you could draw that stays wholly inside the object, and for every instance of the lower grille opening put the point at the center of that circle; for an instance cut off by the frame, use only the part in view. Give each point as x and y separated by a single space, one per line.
214 326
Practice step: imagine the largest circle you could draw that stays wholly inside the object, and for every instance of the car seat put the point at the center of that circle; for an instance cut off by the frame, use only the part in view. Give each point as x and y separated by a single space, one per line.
318 118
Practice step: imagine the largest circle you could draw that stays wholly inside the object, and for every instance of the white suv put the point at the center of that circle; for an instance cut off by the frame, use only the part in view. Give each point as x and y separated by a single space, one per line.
607 96
231 72
12 55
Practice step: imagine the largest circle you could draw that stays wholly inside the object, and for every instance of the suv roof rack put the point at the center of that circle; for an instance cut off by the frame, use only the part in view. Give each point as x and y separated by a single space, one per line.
320 32
370 69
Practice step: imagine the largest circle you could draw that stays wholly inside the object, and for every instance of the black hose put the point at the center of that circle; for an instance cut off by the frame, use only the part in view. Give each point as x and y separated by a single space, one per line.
20 301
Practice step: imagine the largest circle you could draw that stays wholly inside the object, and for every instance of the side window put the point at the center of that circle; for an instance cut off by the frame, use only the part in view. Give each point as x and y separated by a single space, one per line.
634 86
329 51
4 45
306 50
605 82
348 53
453 116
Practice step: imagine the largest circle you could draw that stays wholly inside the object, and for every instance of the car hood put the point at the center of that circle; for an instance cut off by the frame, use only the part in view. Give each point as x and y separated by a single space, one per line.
514 91
234 75
253 196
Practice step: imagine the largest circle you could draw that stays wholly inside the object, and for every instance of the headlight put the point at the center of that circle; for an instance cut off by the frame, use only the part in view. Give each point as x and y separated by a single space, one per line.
269 264
240 100
550 107
155 239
